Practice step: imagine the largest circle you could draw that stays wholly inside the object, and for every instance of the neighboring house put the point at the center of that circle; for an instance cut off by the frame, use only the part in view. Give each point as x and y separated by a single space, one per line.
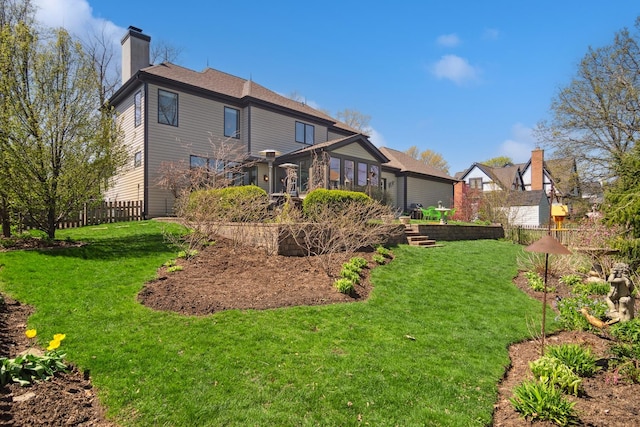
409 182
170 113
535 176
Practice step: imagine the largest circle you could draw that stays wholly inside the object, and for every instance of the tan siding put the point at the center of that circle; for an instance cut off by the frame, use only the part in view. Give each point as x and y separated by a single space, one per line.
428 193
392 188
333 135
357 151
128 186
273 131
200 132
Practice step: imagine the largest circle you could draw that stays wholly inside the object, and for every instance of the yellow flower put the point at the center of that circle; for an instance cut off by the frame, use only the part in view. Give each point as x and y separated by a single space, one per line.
31 333
59 337
53 345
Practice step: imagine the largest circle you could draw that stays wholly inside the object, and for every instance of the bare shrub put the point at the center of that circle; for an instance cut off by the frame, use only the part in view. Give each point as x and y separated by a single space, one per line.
224 166
352 227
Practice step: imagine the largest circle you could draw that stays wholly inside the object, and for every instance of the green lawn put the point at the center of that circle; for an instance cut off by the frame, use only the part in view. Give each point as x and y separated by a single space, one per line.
345 365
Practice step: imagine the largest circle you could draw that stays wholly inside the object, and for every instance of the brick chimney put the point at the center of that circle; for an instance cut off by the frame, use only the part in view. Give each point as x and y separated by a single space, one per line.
537 169
135 52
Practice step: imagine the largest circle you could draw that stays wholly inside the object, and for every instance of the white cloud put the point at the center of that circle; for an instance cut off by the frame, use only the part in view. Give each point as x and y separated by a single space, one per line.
377 138
448 40
76 16
519 146
456 69
491 34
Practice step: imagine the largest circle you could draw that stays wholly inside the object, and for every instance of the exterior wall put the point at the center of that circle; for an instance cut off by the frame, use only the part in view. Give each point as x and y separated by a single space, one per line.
400 186
331 135
129 184
428 193
200 126
487 182
524 215
392 186
355 151
274 131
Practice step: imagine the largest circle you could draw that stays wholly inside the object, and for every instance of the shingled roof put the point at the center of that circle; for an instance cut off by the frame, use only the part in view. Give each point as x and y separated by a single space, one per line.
405 163
225 84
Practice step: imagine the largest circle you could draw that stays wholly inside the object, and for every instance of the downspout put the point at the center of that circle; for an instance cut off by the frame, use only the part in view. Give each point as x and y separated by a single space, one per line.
249 130
404 196
145 202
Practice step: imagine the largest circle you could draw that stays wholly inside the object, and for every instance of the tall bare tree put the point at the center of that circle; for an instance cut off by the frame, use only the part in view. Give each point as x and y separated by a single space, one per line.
356 120
99 47
596 116
163 51
429 157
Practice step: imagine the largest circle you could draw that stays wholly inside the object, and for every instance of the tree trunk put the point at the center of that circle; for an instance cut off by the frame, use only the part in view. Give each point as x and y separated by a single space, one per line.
5 218
51 222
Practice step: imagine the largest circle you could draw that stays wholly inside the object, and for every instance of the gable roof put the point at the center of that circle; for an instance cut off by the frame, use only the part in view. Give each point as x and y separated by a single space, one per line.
334 144
503 176
222 84
405 163
527 198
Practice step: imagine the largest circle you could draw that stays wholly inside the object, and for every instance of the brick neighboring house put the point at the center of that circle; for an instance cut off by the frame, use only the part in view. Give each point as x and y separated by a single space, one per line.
170 113
528 184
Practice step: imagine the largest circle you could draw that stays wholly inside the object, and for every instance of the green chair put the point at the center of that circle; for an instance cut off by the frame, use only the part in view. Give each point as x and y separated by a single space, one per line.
430 213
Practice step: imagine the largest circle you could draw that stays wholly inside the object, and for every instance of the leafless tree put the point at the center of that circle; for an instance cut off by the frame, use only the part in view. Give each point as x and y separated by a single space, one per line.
99 47
329 230
223 166
163 51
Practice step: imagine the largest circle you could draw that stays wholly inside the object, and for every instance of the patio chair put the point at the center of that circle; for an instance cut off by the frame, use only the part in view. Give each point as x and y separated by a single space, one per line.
430 213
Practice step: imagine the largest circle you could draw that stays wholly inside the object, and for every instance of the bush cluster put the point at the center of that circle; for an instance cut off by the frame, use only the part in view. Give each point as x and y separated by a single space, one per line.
536 282
337 200
626 352
570 316
245 203
559 371
350 275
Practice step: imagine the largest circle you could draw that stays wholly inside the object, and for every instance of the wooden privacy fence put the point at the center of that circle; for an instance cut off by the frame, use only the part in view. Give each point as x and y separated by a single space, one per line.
93 214
525 235
104 212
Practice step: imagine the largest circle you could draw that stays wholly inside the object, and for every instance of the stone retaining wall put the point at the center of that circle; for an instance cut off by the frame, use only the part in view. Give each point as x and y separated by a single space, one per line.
275 239
445 232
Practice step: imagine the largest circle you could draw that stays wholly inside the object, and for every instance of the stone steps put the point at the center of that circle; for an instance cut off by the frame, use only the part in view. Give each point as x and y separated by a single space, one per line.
415 238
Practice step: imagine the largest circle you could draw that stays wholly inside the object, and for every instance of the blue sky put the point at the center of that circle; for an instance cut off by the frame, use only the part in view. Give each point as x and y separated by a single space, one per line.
467 79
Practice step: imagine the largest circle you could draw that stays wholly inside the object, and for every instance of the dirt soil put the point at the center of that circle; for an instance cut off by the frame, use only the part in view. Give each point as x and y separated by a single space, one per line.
224 277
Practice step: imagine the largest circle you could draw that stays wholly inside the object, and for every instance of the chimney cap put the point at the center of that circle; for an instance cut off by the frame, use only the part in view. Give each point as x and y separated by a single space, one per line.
136 29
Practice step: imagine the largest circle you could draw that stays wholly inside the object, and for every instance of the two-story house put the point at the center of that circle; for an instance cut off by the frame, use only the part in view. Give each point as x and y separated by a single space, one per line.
170 114
527 186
